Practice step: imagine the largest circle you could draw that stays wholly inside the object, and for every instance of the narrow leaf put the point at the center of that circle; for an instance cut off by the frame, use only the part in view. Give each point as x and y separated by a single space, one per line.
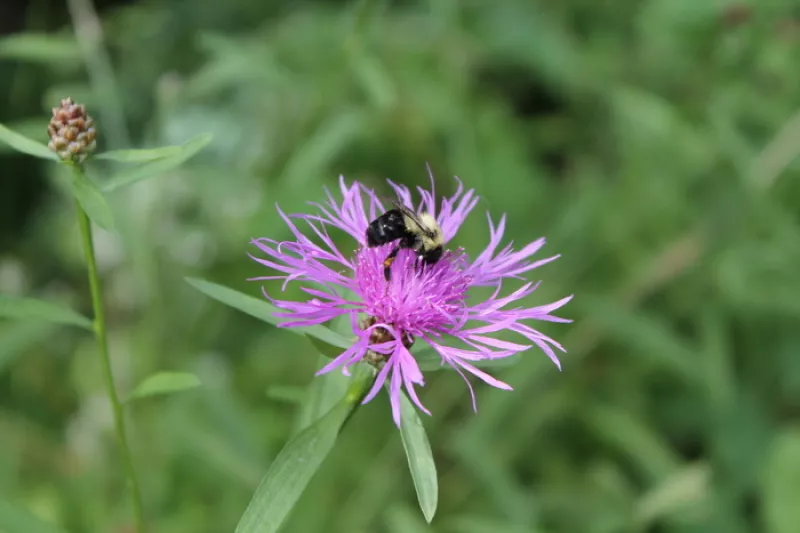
157 166
263 310
141 155
420 458
327 349
164 383
32 309
32 128
25 145
291 472
91 199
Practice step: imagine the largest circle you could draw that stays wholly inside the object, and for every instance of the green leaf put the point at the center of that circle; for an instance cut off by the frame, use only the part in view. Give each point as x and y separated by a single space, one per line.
164 383
25 145
15 519
263 310
91 199
141 155
420 458
331 351
32 128
291 472
781 483
154 167
32 309
41 48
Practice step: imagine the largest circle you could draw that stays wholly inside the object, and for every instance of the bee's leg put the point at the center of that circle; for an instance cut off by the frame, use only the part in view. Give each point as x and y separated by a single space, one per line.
387 263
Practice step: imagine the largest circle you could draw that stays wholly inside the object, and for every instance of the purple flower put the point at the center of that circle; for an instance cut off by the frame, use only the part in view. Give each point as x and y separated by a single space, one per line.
430 303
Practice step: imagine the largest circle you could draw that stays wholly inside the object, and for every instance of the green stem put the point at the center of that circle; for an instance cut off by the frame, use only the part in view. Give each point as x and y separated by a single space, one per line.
105 363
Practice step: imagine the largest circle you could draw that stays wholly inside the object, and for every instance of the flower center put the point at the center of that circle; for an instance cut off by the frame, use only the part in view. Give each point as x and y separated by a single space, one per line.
418 298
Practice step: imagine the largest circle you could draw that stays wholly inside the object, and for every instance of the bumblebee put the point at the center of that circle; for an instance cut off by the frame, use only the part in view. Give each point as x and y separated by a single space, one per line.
418 232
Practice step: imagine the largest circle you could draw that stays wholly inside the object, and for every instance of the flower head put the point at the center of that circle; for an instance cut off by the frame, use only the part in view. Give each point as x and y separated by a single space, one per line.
419 302
71 131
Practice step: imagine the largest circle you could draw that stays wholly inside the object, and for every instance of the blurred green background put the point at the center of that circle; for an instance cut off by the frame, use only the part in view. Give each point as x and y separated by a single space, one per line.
651 142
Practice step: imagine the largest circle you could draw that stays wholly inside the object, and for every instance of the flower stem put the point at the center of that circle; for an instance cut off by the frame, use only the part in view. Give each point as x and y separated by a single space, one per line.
105 363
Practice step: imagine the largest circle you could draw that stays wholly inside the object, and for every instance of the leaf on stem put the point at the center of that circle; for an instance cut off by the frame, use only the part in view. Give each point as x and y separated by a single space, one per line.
25 145
265 311
296 464
33 309
291 472
140 155
420 458
163 160
89 197
164 383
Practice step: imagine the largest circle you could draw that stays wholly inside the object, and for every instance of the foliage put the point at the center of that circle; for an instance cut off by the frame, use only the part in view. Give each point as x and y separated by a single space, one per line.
651 142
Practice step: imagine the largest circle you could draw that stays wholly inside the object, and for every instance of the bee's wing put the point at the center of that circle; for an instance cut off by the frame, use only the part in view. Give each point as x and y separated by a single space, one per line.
413 216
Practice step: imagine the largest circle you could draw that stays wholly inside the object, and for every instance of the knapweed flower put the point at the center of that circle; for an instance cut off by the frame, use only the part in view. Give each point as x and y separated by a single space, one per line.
428 303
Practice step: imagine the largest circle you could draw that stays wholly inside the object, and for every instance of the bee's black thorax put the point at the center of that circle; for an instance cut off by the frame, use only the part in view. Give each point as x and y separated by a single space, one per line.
409 232
389 227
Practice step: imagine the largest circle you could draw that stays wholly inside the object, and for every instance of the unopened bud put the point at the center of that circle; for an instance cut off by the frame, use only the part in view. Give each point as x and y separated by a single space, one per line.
71 130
